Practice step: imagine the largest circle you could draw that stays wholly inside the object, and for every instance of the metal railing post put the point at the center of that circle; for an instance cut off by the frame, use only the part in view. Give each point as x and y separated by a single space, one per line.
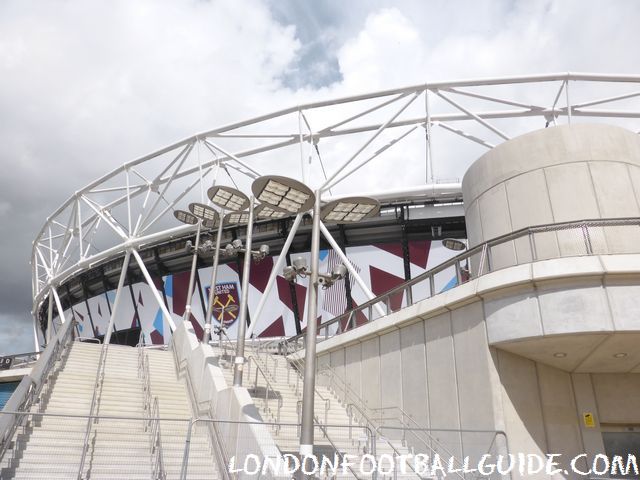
185 456
587 238
409 295
532 246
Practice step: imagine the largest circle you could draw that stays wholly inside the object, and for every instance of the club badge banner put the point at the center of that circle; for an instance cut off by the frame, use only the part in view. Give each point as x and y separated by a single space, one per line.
226 303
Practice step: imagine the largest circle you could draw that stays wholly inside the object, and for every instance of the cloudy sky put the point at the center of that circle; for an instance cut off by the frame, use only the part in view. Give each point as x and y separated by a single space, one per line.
86 85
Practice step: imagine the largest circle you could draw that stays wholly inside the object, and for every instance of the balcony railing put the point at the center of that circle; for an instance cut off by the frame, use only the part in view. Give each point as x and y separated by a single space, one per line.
543 242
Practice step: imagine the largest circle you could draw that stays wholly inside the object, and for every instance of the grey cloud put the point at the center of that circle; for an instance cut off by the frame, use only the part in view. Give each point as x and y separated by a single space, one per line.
86 85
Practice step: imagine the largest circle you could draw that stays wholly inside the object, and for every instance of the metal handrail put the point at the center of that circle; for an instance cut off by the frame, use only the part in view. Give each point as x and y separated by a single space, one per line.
263 348
298 365
217 445
405 415
94 399
222 457
31 386
494 433
88 339
298 369
367 413
326 435
361 407
191 421
59 350
152 408
353 471
484 250
268 388
158 471
369 424
224 342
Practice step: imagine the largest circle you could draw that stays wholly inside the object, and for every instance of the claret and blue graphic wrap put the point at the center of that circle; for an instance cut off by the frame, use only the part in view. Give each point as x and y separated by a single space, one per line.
381 267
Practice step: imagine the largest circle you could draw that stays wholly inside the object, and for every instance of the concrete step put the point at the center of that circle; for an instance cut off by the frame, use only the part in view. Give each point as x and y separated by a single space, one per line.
50 447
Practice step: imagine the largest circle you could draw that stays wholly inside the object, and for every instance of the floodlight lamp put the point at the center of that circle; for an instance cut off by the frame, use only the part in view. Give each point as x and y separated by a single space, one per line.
203 212
208 224
349 210
282 193
264 211
236 244
185 217
229 250
236 218
228 198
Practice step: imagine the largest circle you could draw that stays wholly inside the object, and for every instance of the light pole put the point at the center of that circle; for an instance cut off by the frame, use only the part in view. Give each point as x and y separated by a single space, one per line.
233 200
345 210
257 255
293 197
242 318
228 198
202 215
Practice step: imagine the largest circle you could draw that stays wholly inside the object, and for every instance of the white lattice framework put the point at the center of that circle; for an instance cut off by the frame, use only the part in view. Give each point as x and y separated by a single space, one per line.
323 144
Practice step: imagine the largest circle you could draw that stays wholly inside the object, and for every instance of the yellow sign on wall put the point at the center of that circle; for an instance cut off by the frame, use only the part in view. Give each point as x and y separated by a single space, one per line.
589 420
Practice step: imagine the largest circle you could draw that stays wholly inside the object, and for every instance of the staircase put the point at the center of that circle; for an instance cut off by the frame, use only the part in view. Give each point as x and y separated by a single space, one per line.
175 403
51 446
272 376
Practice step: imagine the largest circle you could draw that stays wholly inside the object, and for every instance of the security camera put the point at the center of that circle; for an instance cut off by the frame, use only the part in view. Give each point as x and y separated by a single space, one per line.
300 264
289 274
339 271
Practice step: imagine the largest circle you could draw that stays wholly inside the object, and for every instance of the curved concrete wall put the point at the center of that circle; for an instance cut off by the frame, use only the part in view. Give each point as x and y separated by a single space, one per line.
554 175
484 356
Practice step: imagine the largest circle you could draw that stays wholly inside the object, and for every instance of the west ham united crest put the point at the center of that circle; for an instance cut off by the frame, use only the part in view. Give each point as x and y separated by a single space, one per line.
226 303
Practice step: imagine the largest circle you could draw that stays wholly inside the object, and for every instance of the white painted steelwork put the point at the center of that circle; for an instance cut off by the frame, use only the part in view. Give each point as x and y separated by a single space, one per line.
132 206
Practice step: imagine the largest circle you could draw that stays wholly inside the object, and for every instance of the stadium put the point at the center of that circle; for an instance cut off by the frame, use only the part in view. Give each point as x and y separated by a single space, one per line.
237 293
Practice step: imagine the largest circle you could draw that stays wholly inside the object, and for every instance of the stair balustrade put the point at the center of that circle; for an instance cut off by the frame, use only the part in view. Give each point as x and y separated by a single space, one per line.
151 408
95 399
31 386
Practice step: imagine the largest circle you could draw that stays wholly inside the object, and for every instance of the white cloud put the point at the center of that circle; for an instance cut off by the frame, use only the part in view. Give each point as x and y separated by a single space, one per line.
86 85
388 51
